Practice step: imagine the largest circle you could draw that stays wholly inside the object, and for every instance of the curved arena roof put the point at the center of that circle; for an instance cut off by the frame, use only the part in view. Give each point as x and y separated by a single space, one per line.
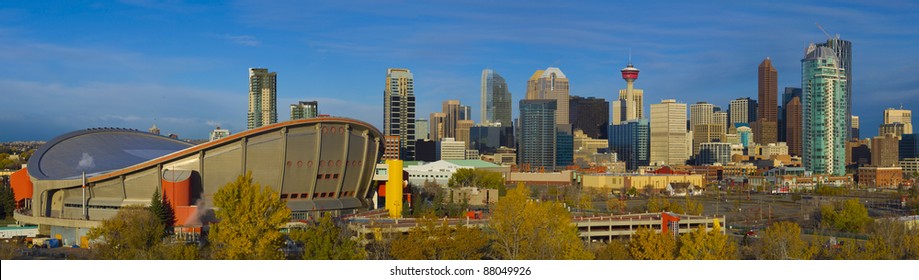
97 151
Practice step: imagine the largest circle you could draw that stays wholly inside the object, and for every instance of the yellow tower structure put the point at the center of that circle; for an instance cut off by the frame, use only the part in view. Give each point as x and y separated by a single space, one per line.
394 188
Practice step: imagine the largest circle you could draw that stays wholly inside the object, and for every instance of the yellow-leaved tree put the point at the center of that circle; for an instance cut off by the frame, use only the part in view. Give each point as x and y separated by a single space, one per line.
136 233
646 244
524 229
782 241
250 218
434 239
701 244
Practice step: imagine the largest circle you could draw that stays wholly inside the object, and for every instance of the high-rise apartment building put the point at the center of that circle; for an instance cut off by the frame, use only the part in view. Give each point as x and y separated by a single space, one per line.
701 113
901 115
843 53
304 110
550 84
399 110
391 147
590 115
722 119
885 151
630 141
742 110
668 136
496 99
766 127
629 105
263 97
793 123
537 133
825 119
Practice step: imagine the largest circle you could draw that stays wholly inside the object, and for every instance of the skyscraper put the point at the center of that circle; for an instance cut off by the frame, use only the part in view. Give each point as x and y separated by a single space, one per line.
706 133
766 127
155 130
537 133
742 110
668 133
590 115
437 126
901 115
452 110
790 92
399 110
304 110
793 123
629 105
421 129
855 128
843 51
630 141
496 99
885 150
722 119
551 84
263 97
825 119
701 113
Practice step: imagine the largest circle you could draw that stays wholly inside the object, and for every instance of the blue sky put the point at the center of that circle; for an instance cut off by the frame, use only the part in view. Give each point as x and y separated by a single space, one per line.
183 65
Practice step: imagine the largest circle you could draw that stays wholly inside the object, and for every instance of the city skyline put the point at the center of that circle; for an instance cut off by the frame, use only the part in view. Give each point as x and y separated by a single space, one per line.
179 66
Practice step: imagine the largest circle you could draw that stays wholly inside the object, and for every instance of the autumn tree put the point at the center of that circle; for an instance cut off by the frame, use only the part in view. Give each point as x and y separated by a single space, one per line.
325 240
134 233
647 244
250 218
616 206
523 229
468 177
850 216
612 250
891 240
701 244
161 208
434 239
782 241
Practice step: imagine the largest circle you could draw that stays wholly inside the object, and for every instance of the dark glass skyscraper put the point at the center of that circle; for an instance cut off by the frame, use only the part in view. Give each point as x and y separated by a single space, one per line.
496 99
537 133
630 141
590 115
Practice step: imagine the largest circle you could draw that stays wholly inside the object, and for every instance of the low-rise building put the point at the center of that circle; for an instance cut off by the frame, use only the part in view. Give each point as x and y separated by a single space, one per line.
880 177
619 182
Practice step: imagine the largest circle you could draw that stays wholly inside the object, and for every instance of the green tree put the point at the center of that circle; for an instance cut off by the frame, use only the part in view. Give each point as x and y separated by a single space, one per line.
434 239
782 241
701 244
646 244
850 216
134 233
8 201
161 208
327 241
523 229
468 177
250 218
